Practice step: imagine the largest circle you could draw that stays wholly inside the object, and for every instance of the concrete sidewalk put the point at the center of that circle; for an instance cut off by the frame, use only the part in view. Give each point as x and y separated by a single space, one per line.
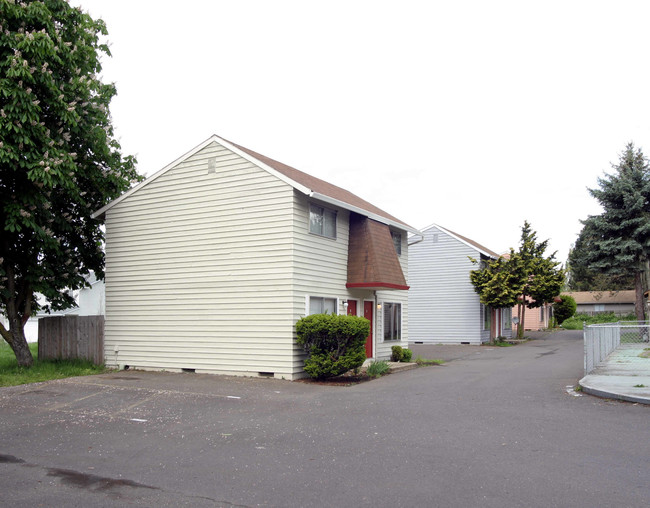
624 375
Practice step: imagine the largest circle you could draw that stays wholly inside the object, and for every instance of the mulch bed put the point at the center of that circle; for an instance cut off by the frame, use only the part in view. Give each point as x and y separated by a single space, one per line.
347 379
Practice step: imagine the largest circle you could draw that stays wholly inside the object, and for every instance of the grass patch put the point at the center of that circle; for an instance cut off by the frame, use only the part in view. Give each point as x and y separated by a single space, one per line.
378 369
426 361
42 370
639 386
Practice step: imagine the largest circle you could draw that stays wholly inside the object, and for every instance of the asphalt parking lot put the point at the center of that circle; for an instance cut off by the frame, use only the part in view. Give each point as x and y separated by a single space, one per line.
492 427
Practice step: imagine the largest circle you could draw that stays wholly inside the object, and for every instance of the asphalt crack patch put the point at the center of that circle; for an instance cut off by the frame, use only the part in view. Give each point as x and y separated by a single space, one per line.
93 482
114 487
10 459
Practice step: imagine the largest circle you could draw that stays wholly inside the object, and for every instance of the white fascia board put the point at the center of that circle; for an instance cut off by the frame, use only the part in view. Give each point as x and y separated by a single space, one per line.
211 139
265 167
481 251
153 177
361 211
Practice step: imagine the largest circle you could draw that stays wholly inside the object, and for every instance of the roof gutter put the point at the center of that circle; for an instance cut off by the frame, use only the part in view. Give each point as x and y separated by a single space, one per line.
421 235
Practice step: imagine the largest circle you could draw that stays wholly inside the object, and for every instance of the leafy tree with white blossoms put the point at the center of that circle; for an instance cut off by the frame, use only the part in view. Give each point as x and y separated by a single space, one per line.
59 160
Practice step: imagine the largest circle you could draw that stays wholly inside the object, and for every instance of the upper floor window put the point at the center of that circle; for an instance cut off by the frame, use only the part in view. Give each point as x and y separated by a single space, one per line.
397 242
322 221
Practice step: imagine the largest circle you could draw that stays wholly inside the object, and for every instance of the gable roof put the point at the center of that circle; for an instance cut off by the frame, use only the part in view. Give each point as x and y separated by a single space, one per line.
483 250
307 184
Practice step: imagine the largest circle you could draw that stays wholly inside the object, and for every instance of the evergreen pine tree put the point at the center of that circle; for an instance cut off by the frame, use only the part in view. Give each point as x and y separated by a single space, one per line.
582 277
621 234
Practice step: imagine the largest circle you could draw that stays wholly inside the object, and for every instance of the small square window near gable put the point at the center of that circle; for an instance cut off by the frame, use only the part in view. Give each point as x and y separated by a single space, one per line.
397 242
322 221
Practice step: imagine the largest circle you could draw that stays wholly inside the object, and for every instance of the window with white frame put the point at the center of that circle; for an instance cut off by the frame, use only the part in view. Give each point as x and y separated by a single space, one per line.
541 314
322 221
397 242
487 318
322 305
506 315
392 321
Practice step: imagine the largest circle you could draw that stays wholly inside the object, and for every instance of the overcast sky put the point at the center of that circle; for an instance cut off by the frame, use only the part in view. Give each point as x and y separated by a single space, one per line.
474 115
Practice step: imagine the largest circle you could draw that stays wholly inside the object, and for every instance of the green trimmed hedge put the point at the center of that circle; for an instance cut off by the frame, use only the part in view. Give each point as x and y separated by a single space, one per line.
335 344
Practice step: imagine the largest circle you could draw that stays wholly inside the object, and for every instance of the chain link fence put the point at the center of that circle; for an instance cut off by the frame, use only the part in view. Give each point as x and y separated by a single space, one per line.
601 339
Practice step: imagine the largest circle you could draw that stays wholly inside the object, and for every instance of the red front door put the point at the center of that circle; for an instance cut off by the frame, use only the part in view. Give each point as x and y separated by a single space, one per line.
368 308
352 307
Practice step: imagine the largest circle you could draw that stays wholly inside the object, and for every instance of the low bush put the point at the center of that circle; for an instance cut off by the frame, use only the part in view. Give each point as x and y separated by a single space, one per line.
334 343
564 309
399 354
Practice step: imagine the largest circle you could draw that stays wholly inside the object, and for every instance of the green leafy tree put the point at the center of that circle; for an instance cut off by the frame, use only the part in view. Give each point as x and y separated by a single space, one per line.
620 241
59 161
583 277
525 278
496 283
565 308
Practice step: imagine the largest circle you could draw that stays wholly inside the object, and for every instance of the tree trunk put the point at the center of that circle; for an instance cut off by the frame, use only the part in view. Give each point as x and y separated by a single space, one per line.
520 326
15 337
638 297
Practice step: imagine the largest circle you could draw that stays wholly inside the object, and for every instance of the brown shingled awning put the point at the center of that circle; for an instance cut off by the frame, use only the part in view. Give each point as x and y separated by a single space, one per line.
372 260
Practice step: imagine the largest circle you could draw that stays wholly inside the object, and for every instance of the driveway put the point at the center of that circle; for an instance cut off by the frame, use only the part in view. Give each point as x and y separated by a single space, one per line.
494 427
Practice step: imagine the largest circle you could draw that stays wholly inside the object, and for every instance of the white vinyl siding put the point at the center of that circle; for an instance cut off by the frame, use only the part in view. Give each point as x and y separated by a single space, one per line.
210 265
321 268
443 306
198 270
320 264
383 348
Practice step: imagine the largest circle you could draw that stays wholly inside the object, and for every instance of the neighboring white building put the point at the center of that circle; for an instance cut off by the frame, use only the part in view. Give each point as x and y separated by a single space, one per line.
443 306
90 302
211 261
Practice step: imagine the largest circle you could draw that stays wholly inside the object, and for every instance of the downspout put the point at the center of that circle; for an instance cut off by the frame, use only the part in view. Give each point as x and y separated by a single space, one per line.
374 328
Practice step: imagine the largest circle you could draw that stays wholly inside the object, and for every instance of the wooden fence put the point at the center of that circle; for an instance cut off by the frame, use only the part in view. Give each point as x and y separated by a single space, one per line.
70 337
